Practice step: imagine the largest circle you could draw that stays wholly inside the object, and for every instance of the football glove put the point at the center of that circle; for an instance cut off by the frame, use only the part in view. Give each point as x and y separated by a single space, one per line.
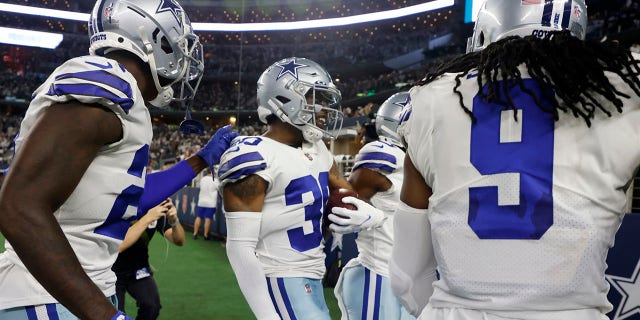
364 217
217 145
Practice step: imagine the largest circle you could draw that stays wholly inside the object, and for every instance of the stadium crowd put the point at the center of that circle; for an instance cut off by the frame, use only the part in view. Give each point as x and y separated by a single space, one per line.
230 76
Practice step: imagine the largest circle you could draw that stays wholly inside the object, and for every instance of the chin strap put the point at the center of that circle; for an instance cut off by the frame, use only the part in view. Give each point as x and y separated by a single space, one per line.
163 98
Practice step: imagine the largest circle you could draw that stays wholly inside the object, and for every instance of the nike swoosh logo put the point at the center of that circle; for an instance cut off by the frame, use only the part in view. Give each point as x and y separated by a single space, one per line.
102 66
363 222
378 146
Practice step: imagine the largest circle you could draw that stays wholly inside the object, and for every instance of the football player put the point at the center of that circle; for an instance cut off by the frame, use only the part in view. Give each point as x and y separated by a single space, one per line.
519 155
275 188
79 171
363 289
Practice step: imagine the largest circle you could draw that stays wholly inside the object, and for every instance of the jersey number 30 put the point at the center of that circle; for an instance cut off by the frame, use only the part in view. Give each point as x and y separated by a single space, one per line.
312 212
529 160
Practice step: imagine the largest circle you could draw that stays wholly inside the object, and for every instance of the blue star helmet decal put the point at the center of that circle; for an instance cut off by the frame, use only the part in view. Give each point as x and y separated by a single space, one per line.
170 5
290 68
404 103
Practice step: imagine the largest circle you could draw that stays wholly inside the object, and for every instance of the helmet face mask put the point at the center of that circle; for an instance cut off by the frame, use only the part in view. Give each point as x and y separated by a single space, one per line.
300 92
156 31
388 118
498 19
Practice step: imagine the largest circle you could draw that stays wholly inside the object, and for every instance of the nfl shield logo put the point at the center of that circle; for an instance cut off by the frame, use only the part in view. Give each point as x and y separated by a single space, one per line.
577 11
108 11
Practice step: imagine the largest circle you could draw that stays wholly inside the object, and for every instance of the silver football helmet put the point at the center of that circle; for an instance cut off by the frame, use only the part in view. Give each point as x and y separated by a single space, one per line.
498 19
388 118
300 92
158 32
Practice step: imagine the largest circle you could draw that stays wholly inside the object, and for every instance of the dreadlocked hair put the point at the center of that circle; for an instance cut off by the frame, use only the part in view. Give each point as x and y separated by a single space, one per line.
570 80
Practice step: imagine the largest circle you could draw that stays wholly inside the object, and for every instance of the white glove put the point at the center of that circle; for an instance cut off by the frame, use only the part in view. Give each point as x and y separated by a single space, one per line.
364 217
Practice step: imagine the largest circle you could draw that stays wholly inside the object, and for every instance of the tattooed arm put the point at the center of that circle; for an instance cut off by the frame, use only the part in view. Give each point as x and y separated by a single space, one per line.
245 195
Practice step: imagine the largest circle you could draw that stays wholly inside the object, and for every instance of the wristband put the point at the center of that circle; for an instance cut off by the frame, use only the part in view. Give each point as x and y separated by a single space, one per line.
120 316
175 223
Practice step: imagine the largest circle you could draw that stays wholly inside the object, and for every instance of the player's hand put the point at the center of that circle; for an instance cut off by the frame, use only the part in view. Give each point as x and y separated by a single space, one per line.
364 217
217 145
121 316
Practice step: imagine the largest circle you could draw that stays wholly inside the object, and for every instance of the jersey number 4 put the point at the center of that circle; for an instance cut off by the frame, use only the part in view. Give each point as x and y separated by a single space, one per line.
115 226
517 160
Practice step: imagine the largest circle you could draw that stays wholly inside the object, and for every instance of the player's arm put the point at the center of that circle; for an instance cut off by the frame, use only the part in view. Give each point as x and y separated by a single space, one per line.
245 195
415 192
45 171
337 180
367 182
160 185
243 202
413 265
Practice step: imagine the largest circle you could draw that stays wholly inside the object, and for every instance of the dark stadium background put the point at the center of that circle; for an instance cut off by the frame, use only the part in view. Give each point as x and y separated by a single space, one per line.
370 61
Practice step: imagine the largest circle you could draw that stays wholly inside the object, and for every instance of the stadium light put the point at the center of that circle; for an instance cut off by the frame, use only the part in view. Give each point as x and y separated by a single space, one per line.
30 38
60 14
267 26
323 23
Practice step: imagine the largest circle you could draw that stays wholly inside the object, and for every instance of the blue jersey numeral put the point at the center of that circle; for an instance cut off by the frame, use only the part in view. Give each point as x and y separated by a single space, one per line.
530 159
319 188
114 226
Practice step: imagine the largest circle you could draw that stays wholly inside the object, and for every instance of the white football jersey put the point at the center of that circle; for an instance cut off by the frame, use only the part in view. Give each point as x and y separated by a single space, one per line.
290 242
93 217
523 212
208 195
374 245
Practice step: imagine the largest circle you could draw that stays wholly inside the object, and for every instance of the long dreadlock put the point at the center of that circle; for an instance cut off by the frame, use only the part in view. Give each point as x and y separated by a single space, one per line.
570 79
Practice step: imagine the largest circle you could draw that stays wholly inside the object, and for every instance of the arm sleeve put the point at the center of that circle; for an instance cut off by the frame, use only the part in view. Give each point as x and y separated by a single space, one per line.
161 185
412 268
243 229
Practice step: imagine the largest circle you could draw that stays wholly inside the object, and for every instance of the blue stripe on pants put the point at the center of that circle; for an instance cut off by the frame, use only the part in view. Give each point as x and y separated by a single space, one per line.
285 297
52 312
31 313
365 294
376 309
298 298
273 298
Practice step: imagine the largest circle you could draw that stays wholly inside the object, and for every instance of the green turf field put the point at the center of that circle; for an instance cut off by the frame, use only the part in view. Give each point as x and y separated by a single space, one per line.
196 282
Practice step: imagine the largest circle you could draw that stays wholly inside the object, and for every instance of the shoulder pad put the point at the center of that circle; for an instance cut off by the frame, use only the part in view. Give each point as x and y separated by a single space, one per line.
93 79
242 159
376 155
